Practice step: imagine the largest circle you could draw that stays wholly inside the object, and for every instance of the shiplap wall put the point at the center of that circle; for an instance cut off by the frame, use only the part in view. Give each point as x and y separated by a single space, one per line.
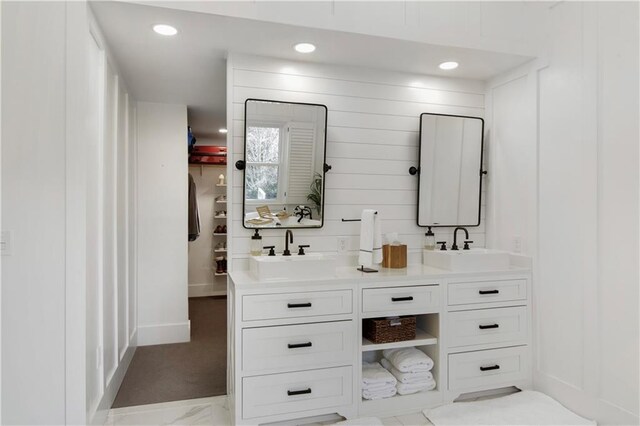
372 140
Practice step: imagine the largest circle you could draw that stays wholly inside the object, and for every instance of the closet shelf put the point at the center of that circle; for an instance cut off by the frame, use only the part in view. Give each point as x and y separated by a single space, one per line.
220 217
220 250
220 274
224 185
218 233
221 202
422 339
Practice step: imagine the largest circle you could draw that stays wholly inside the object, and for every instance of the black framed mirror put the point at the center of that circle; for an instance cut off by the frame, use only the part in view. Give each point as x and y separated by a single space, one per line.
450 172
284 165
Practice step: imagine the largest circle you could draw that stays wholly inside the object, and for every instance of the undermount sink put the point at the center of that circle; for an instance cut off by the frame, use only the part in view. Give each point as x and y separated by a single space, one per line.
477 259
311 265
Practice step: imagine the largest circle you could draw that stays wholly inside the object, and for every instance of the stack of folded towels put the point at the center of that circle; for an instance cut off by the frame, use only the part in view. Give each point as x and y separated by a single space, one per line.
412 369
377 383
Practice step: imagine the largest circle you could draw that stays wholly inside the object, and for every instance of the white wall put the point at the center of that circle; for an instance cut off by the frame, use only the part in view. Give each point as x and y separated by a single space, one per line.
111 318
162 224
55 346
566 127
33 210
372 140
202 281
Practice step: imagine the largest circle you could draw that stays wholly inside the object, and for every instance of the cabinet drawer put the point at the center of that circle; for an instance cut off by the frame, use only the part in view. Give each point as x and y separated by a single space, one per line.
463 293
297 346
293 305
296 392
400 300
488 326
486 369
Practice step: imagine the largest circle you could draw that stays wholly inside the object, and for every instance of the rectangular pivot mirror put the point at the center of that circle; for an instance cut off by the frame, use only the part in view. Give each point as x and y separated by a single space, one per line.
450 182
284 147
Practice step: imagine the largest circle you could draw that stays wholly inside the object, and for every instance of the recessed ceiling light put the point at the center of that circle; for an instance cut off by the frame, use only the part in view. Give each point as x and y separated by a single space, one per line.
164 29
222 130
304 47
448 65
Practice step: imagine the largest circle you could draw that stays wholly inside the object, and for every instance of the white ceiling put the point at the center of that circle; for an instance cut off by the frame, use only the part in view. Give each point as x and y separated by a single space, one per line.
190 68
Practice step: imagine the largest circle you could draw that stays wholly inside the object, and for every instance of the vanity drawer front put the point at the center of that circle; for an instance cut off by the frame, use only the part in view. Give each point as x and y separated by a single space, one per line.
488 326
414 299
485 369
297 346
296 392
294 305
462 293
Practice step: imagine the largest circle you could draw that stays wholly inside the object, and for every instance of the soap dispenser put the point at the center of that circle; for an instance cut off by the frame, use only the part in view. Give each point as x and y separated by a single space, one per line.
429 240
256 244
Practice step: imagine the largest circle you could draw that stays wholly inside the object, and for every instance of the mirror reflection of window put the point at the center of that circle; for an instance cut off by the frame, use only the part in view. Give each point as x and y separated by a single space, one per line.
284 163
264 146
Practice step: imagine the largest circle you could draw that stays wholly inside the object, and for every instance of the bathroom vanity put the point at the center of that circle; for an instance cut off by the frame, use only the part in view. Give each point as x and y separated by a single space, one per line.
296 346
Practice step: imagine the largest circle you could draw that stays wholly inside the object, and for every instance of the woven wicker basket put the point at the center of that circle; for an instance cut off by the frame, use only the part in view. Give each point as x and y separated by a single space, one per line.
383 330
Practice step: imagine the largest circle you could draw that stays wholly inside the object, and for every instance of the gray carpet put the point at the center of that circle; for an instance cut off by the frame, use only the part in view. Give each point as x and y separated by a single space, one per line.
197 369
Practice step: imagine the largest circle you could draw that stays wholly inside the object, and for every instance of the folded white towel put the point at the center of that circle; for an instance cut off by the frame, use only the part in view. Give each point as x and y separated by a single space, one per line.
408 378
409 388
408 360
374 374
376 386
387 392
370 238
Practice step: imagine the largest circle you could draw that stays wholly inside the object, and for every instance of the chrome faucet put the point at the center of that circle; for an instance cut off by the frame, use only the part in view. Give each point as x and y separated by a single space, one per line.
455 237
288 238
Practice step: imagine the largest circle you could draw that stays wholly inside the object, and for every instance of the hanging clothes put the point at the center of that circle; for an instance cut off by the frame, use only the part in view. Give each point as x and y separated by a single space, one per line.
194 215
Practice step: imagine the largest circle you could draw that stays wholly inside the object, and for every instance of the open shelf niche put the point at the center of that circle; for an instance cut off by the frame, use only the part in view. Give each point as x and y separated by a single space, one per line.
427 338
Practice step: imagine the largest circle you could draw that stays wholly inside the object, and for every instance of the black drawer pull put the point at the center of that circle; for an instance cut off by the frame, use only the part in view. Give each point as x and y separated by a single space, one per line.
489 291
402 299
299 345
299 392
485 327
299 305
491 367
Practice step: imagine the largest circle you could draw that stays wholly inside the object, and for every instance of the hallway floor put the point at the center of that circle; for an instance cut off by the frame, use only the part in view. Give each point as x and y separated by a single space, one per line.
182 371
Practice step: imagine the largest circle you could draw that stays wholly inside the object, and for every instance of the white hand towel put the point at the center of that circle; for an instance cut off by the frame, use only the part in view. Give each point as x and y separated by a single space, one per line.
374 374
408 378
377 239
408 360
409 388
387 392
370 238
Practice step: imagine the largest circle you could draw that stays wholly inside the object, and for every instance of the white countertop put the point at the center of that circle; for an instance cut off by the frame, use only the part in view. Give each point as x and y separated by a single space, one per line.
349 274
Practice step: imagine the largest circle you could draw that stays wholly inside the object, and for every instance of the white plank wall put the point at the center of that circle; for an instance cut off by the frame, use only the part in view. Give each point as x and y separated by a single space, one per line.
372 140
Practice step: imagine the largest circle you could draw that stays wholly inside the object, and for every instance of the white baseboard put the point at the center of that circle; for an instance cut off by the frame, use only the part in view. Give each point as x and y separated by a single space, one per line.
583 404
208 289
109 395
162 334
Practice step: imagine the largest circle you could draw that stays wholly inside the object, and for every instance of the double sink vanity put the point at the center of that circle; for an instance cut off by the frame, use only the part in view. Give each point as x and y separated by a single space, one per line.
295 338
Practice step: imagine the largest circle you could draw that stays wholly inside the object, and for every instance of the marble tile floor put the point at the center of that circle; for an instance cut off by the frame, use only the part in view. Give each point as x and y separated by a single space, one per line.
210 411
213 411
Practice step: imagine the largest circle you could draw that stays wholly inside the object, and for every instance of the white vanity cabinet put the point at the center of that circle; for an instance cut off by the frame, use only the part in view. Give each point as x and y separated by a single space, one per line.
488 333
291 350
420 297
296 348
